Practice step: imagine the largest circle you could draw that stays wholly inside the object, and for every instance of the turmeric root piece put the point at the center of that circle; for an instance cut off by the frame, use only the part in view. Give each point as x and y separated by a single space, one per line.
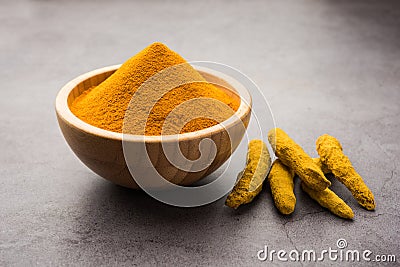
281 182
252 177
330 151
293 156
321 165
328 199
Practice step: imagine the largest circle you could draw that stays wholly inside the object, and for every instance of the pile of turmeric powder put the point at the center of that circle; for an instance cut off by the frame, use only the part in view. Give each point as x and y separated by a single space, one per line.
106 105
292 160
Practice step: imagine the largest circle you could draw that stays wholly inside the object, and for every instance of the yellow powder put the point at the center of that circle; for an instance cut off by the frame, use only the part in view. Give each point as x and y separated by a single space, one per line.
105 105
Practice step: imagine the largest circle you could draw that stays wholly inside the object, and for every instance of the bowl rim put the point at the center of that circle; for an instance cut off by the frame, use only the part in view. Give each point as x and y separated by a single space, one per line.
65 113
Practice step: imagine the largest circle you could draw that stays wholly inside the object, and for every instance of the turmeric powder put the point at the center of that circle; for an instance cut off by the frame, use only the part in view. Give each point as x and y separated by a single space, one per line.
282 187
328 199
252 177
105 105
331 153
293 156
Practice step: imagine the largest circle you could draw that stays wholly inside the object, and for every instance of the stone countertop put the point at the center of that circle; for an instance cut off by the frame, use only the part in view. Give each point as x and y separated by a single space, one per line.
324 66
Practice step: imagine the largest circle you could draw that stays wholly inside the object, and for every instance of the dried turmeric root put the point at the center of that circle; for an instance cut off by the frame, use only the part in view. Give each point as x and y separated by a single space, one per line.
328 199
252 177
321 165
293 156
281 182
330 151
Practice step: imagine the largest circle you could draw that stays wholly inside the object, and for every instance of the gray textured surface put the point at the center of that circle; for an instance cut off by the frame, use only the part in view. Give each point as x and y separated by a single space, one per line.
328 66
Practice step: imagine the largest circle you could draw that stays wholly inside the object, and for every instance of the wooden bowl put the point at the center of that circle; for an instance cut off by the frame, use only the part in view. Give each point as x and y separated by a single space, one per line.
102 150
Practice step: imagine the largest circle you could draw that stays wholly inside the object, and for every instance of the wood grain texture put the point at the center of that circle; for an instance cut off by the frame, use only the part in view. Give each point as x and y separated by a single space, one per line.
102 150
